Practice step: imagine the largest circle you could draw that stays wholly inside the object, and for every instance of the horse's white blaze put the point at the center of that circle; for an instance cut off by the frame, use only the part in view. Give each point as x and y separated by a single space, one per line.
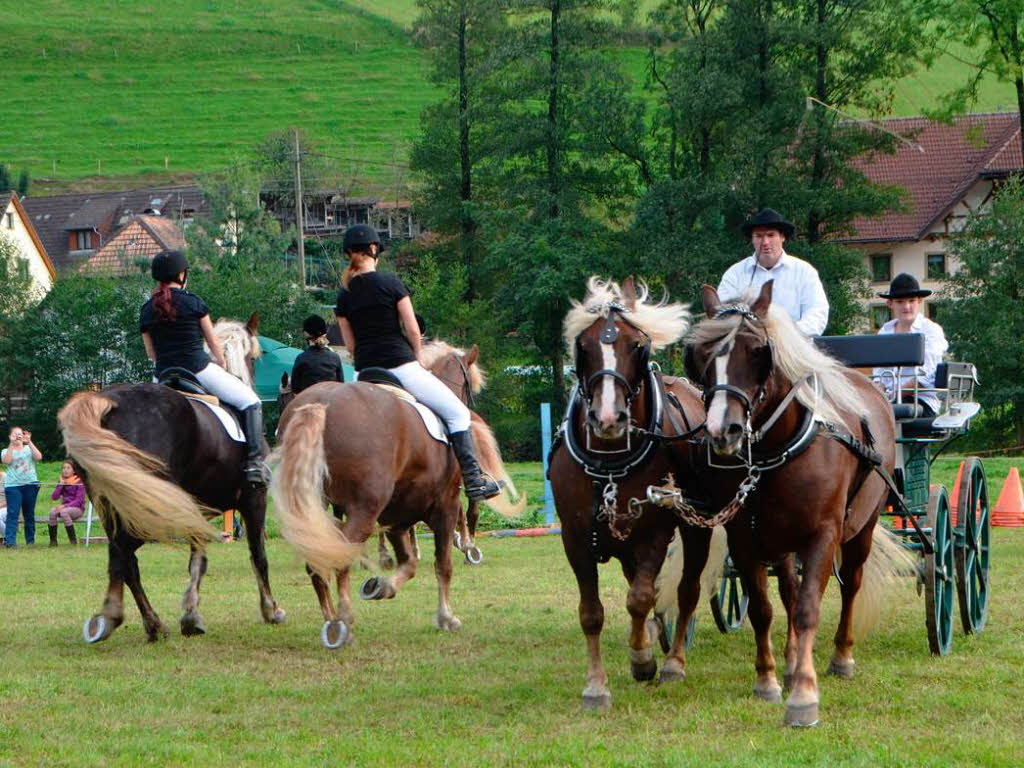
607 412
719 401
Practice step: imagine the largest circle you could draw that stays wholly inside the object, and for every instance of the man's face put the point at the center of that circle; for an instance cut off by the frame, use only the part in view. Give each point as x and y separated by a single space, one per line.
767 245
905 310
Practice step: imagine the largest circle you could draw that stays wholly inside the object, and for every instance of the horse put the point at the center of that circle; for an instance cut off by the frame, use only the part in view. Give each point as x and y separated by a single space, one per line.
609 449
157 465
369 454
782 415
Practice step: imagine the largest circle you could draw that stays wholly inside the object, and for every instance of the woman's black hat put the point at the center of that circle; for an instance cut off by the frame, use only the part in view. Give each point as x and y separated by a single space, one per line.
766 217
314 326
905 286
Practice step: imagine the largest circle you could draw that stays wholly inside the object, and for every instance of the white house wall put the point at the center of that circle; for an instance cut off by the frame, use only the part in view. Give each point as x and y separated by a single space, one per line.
27 248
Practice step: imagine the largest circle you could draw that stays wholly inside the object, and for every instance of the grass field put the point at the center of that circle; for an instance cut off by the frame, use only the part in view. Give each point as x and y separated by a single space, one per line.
103 91
504 690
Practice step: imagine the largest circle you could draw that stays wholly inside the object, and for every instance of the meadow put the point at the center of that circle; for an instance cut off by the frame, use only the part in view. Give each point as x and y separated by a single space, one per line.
504 690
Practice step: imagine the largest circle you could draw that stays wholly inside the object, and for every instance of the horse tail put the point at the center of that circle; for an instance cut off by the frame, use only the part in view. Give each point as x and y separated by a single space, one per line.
127 478
666 585
888 563
300 472
490 460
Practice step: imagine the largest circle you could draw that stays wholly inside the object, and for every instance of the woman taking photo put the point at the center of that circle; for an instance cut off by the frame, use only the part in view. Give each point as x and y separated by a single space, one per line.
21 486
377 322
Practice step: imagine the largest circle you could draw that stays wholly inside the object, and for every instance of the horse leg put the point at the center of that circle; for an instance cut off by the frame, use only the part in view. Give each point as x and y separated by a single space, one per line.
191 621
386 587
253 508
802 704
639 602
414 544
337 631
150 621
855 553
468 523
696 544
102 624
596 695
755 578
384 558
444 526
788 584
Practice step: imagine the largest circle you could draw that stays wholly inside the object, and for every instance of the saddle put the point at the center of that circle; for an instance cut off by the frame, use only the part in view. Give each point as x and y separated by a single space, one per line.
383 378
184 381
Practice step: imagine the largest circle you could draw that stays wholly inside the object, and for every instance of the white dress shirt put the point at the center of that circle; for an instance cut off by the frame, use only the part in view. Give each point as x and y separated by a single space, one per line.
796 288
935 346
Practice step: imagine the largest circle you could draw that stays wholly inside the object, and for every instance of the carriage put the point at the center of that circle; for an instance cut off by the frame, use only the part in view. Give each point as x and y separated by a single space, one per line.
954 549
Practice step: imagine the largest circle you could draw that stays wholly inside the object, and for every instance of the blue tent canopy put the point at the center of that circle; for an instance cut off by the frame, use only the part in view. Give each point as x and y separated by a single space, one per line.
278 358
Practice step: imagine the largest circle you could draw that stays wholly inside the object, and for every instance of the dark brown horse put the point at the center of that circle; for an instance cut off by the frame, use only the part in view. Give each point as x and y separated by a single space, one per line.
368 453
157 465
776 403
608 452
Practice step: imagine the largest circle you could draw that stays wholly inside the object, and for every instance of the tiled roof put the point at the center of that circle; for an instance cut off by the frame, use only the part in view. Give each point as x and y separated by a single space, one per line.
55 216
937 166
138 240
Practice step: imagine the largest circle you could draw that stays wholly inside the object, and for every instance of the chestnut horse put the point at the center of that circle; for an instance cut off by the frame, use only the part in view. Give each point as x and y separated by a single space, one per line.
608 451
806 433
157 465
369 454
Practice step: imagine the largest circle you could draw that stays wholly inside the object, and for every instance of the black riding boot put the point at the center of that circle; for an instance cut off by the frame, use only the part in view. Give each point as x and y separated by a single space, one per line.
477 486
70 528
252 424
53 535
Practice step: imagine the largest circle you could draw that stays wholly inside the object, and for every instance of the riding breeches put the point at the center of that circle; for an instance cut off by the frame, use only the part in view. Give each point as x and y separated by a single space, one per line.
228 388
432 392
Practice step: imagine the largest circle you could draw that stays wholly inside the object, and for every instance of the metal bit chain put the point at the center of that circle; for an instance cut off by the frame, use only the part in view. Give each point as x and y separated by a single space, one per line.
670 496
609 512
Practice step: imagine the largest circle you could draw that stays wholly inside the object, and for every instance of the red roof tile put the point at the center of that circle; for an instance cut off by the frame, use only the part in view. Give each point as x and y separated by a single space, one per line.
137 242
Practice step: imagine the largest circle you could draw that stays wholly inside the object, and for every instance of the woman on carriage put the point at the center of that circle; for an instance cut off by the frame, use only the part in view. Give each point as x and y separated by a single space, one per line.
174 325
319 362
378 323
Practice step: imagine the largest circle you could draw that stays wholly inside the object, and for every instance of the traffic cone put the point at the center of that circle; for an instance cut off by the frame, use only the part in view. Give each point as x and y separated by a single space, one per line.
954 499
1009 509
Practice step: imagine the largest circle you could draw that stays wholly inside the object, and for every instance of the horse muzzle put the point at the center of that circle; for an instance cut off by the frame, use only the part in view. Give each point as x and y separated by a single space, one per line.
727 441
608 426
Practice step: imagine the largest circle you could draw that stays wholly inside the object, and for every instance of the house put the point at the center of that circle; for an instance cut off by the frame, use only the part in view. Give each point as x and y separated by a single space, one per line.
948 171
133 247
33 259
328 213
74 227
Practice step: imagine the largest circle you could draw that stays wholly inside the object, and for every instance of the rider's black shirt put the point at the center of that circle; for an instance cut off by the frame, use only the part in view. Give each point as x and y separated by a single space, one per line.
177 342
314 365
370 305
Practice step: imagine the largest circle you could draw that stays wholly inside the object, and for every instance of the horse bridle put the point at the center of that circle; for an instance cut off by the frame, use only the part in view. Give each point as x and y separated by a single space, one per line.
609 335
467 387
748 403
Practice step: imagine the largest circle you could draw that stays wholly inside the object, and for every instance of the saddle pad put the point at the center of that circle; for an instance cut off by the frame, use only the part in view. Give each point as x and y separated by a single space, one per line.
230 424
435 427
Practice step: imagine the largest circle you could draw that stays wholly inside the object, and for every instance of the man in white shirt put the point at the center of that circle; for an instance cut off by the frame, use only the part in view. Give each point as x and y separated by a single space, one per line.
796 288
905 299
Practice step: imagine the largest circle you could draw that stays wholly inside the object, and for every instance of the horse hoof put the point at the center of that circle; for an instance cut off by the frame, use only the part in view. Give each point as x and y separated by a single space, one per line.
457 540
192 626
276 616
802 715
843 669
159 632
96 629
447 623
376 588
644 671
474 556
597 702
334 634
771 694
669 675
787 681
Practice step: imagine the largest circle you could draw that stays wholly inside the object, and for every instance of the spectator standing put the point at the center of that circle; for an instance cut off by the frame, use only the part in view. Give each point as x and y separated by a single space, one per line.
21 486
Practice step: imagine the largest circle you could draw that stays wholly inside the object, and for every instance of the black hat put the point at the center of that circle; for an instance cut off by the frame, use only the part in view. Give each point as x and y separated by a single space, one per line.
766 217
361 235
167 265
314 326
905 286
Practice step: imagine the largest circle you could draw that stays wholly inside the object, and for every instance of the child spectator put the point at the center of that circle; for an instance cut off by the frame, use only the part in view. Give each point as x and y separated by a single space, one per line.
71 493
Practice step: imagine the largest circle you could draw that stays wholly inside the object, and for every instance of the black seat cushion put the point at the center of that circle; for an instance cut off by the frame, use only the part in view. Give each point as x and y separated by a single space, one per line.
182 380
920 427
906 411
875 351
379 376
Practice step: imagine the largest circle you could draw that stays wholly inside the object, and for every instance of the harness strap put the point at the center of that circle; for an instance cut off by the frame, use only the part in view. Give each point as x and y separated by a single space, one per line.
790 396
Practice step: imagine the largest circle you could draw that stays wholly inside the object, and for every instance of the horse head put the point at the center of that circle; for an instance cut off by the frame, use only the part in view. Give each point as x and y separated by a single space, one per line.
458 369
241 345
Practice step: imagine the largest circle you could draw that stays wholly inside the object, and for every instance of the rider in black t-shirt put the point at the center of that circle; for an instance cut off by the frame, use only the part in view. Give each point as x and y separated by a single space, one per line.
174 324
378 324
319 362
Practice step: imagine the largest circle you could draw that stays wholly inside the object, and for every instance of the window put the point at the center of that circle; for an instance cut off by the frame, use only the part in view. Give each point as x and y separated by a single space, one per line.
936 266
10 221
23 269
931 311
880 315
881 267
83 240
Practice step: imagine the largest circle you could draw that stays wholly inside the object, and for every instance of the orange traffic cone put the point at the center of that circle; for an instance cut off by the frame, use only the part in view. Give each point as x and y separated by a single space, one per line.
1009 509
954 499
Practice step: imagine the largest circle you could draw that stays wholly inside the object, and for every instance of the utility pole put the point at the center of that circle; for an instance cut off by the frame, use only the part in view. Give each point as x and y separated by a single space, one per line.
298 214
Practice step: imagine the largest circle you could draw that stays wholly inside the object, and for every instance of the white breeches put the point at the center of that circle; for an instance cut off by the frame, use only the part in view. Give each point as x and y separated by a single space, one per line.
228 388
433 393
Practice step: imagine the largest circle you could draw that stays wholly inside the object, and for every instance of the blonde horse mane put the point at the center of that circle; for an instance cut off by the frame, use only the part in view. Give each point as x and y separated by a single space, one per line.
795 357
239 345
664 322
435 350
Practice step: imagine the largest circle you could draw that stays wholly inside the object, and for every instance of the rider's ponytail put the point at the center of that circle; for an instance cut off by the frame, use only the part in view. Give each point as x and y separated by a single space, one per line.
162 303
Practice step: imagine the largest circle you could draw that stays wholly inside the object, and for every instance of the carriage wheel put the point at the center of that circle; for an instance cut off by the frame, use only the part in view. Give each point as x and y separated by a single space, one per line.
661 629
939 574
729 606
972 546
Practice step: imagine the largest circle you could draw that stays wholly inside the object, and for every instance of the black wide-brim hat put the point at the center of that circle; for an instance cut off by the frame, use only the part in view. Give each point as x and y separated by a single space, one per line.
766 217
905 286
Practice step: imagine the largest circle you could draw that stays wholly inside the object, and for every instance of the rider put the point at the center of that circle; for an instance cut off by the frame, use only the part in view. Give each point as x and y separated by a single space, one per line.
319 362
796 287
377 322
174 324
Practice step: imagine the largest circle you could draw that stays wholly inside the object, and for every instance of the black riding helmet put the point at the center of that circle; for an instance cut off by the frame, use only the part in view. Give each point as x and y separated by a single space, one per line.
167 265
314 326
361 236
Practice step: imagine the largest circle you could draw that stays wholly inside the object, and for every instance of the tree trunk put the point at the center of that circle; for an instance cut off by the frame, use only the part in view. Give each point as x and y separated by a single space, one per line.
1018 82
763 65
552 137
821 93
466 181
558 374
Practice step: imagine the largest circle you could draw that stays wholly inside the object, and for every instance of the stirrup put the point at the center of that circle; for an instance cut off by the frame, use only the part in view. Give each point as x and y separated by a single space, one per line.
484 489
257 474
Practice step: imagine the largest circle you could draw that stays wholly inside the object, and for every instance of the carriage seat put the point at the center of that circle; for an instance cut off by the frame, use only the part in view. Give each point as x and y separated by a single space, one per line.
379 376
184 381
874 351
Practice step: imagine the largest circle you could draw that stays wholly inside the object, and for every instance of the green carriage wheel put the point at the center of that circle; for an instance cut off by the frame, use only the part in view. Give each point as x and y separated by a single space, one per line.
729 605
662 628
939 574
972 546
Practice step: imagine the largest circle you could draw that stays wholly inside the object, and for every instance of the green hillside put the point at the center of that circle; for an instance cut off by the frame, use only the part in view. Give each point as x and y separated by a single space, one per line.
108 90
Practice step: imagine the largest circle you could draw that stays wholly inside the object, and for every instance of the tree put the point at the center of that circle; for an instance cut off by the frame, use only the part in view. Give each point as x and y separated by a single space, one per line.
988 322
18 289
